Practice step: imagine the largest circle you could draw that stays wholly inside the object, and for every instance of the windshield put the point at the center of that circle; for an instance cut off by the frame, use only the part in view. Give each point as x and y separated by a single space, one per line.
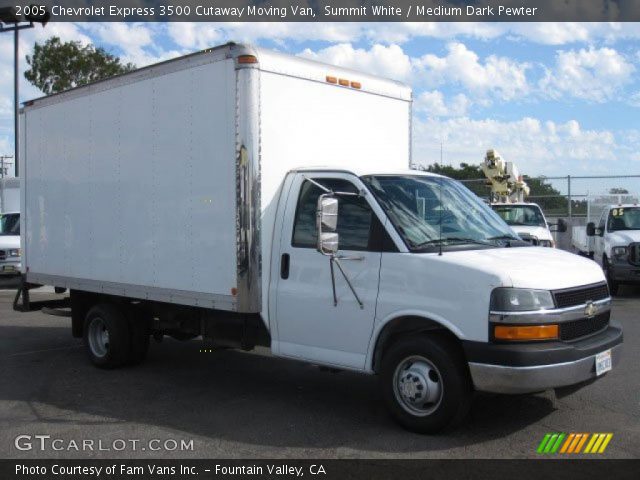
521 215
624 218
419 206
10 224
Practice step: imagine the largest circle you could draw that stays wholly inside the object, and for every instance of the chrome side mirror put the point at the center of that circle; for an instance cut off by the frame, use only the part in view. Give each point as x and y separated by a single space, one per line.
328 243
326 224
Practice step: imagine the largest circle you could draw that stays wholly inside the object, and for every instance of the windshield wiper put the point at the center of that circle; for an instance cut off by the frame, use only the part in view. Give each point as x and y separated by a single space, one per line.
504 237
436 241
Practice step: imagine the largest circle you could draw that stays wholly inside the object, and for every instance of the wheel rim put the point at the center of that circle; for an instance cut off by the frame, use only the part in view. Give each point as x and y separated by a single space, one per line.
98 337
417 385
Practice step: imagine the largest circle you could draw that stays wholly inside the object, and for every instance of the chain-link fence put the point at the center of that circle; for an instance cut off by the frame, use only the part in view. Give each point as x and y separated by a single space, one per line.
568 197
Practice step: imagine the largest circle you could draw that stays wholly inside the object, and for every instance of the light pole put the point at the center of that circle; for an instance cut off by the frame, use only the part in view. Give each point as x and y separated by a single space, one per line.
10 21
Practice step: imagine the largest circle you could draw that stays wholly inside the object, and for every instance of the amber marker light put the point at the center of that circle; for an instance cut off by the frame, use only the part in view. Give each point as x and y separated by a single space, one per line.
526 332
244 59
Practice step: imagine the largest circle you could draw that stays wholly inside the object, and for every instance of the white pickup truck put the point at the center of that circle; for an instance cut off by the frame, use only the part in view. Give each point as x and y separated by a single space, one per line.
529 222
193 199
614 242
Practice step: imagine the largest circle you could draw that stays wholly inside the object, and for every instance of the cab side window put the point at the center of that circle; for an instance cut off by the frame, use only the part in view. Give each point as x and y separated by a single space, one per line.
356 220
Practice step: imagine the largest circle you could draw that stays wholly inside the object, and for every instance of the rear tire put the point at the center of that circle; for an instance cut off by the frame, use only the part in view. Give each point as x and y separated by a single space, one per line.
426 383
107 336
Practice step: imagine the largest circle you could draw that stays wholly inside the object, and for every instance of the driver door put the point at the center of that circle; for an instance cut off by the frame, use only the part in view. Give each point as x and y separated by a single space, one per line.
598 239
309 325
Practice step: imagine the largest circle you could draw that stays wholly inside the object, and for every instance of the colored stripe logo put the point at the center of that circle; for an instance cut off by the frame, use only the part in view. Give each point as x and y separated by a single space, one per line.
573 443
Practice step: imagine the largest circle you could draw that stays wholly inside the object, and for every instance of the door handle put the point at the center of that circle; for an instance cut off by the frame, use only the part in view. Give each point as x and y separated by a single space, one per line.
284 266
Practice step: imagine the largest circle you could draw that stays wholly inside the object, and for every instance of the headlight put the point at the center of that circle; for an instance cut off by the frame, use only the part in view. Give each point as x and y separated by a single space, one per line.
619 251
15 252
520 300
545 243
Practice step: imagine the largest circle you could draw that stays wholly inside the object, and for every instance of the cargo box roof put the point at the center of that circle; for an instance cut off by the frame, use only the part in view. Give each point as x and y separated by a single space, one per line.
268 60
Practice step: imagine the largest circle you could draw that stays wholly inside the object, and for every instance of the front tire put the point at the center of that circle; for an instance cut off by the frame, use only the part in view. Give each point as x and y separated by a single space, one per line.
106 336
614 286
426 383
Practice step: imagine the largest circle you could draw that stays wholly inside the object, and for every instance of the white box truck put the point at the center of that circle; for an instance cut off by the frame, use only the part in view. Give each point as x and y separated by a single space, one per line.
612 238
255 198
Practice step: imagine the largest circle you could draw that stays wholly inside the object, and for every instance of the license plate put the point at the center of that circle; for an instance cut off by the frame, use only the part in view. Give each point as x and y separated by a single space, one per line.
8 268
603 362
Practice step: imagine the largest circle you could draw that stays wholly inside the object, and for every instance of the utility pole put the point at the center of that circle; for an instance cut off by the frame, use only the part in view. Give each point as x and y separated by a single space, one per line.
10 21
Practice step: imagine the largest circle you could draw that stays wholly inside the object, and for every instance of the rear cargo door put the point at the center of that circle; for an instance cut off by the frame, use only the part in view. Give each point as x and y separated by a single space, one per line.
309 325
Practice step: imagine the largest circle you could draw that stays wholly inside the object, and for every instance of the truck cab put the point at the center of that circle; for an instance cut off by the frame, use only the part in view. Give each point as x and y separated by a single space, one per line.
528 221
10 252
616 244
422 283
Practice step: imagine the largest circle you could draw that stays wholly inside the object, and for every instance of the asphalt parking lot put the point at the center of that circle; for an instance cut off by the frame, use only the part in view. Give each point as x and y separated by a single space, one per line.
252 405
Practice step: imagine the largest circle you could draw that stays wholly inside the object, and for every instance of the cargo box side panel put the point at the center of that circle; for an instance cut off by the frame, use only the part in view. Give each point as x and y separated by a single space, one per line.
133 187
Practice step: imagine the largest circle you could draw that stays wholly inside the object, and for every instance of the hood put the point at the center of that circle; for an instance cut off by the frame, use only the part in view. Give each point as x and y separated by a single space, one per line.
530 267
624 237
540 233
9 241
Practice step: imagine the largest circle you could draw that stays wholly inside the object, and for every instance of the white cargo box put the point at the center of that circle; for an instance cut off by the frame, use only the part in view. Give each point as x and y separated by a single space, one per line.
162 183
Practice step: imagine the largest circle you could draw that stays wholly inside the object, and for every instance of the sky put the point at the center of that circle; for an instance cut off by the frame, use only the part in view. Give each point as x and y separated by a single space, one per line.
556 98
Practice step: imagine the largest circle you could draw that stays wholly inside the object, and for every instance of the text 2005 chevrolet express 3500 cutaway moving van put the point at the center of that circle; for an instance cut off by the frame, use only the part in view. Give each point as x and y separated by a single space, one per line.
189 198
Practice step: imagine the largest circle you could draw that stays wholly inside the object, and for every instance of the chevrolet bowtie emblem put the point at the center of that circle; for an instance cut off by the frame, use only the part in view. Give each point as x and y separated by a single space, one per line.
590 310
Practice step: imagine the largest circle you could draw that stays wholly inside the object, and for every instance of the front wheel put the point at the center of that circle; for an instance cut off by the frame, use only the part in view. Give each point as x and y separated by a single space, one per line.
614 286
426 383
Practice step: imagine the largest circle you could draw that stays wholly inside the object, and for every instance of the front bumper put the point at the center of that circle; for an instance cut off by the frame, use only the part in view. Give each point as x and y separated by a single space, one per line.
533 367
10 267
625 272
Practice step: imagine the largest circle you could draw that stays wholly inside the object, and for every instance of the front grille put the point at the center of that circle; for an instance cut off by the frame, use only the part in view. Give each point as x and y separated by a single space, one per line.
570 297
634 253
583 327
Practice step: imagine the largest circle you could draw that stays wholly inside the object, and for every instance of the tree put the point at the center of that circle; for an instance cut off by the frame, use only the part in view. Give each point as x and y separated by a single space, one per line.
57 66
619 191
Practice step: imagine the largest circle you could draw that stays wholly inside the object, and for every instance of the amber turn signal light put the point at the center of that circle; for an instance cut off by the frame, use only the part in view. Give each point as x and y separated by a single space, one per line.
528 332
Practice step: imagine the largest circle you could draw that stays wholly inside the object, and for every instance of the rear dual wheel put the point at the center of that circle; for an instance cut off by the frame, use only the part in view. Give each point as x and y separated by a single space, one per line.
113 338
